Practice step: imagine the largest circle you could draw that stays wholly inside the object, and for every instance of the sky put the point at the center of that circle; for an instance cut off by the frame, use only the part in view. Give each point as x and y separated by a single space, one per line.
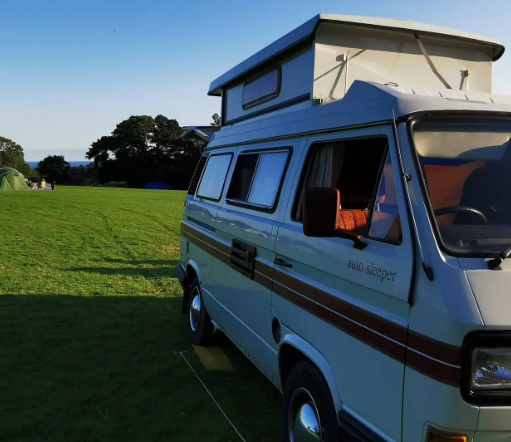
71 70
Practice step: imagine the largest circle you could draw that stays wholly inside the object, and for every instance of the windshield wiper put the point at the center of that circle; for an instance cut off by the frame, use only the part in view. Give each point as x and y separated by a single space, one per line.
494 264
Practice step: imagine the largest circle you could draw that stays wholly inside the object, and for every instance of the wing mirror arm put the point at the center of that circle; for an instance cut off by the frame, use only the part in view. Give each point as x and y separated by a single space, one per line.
357 239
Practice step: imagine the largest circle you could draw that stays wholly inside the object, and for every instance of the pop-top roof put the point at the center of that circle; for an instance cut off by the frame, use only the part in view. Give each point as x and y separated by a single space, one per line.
365 103
307 31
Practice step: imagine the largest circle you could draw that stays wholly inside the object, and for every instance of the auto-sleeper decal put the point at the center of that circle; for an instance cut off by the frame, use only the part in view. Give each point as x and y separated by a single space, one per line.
372 270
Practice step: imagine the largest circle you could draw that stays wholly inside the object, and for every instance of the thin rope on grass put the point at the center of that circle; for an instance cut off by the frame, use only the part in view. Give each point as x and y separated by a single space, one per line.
180 354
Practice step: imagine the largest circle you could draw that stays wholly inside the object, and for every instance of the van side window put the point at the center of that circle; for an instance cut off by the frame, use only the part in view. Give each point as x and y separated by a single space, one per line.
354 167
385 222
264 88
213 178
256 178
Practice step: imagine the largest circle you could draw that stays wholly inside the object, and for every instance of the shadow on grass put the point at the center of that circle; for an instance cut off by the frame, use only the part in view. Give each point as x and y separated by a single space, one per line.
154 262
165 269
103 369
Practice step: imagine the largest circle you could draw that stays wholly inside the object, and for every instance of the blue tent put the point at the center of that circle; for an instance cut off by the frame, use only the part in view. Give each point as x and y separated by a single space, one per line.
157 186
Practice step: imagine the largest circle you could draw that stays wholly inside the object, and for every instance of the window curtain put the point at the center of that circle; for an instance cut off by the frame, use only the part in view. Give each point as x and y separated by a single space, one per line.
324 170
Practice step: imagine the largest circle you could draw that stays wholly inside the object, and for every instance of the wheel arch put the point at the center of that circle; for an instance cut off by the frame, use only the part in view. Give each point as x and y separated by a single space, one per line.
192 270
294 349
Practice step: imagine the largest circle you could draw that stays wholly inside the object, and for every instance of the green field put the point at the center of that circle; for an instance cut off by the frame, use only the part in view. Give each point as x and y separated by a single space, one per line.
90 317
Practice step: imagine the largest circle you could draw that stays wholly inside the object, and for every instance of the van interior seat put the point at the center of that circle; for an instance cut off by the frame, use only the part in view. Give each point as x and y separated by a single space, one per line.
445 185
353 220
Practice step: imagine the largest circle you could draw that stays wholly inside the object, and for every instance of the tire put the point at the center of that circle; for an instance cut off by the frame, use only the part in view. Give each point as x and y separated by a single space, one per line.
307 398
199 322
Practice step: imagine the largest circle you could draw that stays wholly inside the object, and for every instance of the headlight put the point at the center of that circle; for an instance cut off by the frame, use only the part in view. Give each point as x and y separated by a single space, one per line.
486 371
491 368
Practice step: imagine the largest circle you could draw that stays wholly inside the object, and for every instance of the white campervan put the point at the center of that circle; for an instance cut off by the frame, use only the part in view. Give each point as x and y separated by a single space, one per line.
348 229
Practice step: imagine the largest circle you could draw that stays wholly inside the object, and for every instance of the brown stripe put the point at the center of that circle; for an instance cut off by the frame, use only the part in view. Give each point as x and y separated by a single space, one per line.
207 239
263 280
206 247
436 349
263 273
263 268
436 370
371 338
387 328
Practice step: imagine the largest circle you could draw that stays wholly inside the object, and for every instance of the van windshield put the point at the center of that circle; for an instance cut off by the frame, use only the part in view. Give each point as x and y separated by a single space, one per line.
466 168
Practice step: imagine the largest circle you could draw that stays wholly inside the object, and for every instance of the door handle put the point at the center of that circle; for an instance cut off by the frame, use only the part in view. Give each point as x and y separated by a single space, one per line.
280 262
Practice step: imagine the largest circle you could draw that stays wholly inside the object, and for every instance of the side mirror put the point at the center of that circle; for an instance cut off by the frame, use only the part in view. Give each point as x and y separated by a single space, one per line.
321 215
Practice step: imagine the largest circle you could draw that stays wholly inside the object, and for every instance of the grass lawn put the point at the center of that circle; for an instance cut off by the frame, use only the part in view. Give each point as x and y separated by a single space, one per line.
90 317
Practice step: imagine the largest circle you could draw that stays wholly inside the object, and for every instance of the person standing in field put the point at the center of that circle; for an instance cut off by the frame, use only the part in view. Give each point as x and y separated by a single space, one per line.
53 185
43 184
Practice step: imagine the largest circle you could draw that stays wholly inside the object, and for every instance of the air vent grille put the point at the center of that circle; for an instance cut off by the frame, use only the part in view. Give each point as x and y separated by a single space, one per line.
197 174
243 257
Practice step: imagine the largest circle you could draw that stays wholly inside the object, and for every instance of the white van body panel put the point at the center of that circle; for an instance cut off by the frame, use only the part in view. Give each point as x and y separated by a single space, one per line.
429 402
495 420
492 291
296 82
247 304
201 214
348 53
323 263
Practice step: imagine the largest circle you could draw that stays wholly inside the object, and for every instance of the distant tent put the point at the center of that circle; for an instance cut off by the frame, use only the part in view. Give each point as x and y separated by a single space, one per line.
157 186
11 179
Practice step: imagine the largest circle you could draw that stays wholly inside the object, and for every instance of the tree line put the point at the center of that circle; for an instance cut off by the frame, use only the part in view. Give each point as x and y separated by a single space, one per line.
143 149
139 150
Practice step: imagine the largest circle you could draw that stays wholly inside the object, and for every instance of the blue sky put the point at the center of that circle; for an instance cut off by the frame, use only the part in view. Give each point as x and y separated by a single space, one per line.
71 70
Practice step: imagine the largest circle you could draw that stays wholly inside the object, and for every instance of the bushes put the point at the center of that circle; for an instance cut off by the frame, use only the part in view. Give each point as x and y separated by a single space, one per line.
116 184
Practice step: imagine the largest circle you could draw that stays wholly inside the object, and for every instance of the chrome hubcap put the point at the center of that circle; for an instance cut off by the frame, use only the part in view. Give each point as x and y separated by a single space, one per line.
195 309
303 420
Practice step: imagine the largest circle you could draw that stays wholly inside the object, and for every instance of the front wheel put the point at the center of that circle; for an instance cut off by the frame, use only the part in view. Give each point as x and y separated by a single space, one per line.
308 412
201 329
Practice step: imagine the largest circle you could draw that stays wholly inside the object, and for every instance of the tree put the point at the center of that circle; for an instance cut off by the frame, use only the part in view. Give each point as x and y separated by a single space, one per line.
143 149
82 175
11 155
54 168
217 122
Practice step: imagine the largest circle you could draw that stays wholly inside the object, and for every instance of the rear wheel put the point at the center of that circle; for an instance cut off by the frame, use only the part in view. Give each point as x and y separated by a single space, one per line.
308 412
199 322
